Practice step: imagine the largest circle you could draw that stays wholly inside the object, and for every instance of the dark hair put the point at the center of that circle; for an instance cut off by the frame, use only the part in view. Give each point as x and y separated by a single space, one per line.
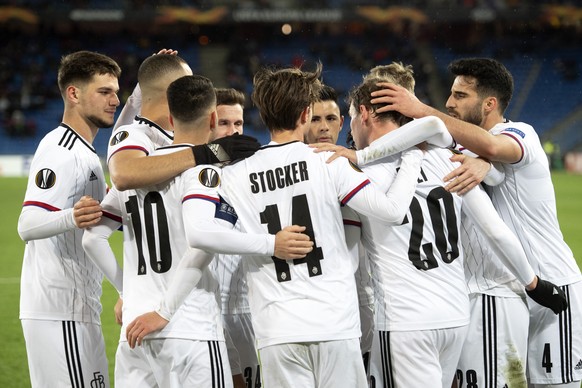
327 93
190 97
158 65
81 66
492 78
281 95
229 96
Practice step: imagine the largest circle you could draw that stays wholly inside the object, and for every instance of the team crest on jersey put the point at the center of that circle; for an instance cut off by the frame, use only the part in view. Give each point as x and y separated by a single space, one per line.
516 131
355 167
209 177
118 138
45 178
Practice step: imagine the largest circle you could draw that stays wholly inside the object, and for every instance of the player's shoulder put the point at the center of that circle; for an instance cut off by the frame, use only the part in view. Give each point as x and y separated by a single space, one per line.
63 142
139 128
204 175
520 130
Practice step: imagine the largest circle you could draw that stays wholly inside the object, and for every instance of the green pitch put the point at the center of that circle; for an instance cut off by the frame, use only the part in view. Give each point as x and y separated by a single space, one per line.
13 364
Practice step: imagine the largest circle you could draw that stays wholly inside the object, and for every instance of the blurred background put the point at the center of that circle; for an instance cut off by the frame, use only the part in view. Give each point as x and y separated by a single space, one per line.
225 40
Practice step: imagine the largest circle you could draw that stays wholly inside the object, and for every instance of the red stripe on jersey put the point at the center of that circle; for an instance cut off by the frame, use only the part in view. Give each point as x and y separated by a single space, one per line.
112 216
518 142
42 205
200 196
130 147
353 223
354 191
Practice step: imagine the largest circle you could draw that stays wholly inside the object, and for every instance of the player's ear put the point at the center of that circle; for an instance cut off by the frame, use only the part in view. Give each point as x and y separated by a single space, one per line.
305 115
364 113
213 120
72 93
341 122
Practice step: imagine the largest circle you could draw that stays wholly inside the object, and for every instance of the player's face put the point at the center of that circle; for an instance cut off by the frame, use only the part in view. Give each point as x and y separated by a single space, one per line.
98 100
230 120
357 128
464 103
326 123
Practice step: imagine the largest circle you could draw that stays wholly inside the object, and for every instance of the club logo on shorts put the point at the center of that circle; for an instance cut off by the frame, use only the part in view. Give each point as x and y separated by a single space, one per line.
355 167
45 178
98 380
209 177
118 138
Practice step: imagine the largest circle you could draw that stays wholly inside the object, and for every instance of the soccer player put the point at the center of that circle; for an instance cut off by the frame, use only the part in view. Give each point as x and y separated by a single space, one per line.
60 287
525 200
304 312
155 247
418 266
326 124
229 269
130 144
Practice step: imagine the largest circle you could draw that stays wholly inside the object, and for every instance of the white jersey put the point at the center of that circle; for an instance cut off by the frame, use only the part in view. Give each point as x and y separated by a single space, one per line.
484 271
142 134
312 299
417 267
526 202
229 271
154 242
60 282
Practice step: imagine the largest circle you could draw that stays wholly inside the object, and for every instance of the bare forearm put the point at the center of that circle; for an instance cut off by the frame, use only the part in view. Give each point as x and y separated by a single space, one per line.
133 173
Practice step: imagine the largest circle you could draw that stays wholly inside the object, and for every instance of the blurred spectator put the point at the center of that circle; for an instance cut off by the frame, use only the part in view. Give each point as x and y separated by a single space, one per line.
17 125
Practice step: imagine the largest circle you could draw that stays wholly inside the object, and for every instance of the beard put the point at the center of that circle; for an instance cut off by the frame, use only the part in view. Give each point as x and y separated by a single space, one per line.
99 122
473 116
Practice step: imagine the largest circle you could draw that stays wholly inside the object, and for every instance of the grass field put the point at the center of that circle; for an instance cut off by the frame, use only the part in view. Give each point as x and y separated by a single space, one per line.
13 364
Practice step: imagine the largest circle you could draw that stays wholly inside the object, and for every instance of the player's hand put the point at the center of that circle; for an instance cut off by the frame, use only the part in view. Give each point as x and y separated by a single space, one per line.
397 98
117 311
291 243
469 174
167 52
226 149
87 212
549 295
143 325
337 150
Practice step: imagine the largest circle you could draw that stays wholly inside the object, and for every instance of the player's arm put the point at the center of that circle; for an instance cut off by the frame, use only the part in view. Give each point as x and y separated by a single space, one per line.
391 207
206 232
498 148
96 245
96 241
131 108
478 206
430 129
133 168
186 277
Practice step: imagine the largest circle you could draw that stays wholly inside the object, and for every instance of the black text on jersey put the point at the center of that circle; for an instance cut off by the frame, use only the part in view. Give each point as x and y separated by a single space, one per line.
279 177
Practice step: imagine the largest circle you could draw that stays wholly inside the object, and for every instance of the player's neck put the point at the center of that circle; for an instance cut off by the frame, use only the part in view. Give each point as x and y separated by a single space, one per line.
84 129
287 135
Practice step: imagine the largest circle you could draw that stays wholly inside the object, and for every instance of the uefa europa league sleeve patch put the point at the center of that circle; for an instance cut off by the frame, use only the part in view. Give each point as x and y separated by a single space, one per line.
209 177
118 138
45 178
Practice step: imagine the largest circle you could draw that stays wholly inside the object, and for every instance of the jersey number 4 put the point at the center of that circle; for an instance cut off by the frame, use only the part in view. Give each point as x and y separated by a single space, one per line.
442 240
299 216
164 262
